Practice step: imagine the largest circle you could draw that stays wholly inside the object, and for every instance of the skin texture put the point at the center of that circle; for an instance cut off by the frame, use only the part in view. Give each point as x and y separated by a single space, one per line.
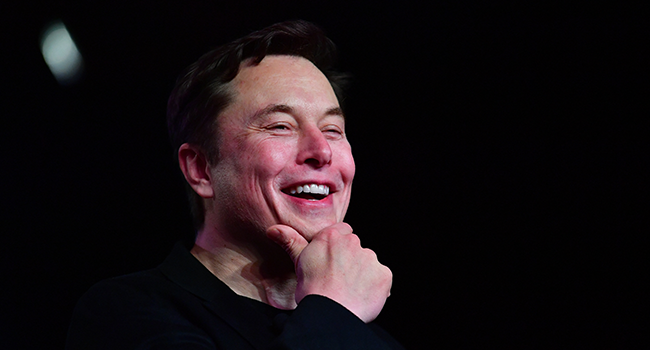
283 129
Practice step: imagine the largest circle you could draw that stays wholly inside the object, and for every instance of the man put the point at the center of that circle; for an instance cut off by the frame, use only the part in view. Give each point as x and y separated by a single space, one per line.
261 142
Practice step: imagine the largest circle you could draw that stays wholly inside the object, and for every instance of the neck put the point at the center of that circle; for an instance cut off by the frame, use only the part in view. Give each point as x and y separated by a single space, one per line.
252 267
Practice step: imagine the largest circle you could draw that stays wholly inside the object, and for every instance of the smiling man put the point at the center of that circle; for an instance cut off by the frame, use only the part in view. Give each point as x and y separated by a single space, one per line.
262 144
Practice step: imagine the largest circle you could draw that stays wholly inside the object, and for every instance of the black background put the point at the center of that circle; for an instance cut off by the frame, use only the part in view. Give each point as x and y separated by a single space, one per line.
502 165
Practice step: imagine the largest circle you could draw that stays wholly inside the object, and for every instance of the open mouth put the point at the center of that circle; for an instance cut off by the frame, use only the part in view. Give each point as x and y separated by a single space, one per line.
309 191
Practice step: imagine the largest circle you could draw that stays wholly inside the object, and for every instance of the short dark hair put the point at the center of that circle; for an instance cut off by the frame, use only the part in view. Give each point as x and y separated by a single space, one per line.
202 91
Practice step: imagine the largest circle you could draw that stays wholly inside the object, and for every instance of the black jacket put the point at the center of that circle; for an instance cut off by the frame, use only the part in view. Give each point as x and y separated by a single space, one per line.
181 305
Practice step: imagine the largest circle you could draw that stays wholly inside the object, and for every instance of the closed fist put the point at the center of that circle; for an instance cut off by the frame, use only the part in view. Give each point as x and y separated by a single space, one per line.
335 265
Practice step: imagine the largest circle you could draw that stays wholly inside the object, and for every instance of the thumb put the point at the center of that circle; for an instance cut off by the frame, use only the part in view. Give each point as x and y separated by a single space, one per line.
287 238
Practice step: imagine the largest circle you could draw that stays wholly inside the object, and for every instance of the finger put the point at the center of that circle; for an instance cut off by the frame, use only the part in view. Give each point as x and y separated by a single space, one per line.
334 232
340 228
287 238
344 228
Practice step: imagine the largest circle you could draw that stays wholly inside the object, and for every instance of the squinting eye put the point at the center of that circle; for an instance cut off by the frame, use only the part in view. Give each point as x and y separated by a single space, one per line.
278 127
333 131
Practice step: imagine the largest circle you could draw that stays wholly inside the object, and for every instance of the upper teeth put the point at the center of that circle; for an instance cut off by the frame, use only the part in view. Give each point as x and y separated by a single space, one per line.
311 188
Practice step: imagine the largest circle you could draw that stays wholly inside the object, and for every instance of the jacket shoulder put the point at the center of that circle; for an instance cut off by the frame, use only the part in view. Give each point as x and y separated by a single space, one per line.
132 310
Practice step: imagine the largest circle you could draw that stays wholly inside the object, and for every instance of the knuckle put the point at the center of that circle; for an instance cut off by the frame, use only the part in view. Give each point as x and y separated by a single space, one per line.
354 239
387 280
328 233
336 232
371 254
346 227
388 272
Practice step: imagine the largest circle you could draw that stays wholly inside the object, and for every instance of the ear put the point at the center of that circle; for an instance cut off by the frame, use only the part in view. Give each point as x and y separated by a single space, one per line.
195 167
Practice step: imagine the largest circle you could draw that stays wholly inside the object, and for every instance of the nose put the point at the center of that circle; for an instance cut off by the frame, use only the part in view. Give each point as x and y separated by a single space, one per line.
314 149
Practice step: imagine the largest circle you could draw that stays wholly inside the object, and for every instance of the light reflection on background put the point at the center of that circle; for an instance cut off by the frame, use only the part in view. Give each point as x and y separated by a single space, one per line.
61 54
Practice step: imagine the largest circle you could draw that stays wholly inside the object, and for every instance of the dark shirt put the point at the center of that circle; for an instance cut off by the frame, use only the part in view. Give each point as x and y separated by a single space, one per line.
181 305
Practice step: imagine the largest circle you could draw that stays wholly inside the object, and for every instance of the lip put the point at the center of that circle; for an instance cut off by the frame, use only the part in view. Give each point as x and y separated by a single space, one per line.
307 203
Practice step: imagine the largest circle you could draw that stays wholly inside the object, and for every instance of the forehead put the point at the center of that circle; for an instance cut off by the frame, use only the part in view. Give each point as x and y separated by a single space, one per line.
288 80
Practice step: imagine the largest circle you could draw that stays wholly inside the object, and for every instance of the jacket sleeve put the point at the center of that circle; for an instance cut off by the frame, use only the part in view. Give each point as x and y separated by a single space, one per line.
118 315
321 323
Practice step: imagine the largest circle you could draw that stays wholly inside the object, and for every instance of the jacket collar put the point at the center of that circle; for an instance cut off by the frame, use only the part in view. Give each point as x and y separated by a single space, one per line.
182 268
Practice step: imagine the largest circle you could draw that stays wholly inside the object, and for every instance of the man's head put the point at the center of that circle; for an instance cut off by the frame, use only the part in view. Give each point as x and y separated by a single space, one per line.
257 123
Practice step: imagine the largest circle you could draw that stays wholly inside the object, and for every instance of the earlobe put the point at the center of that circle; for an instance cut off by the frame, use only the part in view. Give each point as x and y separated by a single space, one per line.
195 168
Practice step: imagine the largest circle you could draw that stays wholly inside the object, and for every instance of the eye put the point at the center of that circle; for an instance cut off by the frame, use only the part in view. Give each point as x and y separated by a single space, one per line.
333 131
281 128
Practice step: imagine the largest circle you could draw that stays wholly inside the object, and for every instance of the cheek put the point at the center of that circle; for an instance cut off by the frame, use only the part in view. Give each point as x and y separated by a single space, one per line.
269 157
247 175
247 165
346 161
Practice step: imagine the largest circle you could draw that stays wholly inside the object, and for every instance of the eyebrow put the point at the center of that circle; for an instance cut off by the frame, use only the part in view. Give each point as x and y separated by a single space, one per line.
273 108
336 111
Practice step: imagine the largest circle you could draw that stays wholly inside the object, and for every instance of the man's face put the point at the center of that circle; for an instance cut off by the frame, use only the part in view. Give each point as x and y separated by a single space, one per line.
283 154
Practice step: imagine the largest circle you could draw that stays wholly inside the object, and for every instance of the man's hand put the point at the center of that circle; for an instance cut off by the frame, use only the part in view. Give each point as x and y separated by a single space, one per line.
334 265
